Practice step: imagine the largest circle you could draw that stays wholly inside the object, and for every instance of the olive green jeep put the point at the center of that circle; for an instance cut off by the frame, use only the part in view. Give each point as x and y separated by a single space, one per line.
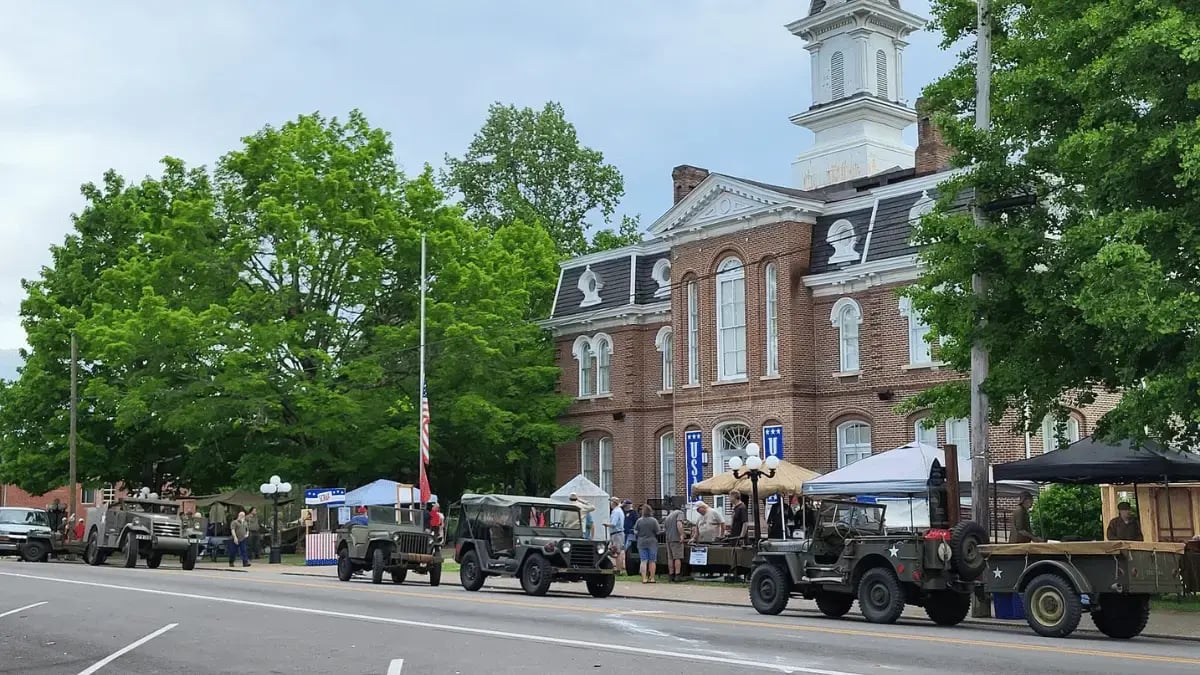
393 540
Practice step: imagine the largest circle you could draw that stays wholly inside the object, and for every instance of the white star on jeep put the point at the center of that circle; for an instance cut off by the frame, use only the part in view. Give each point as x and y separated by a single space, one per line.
997 572
894 550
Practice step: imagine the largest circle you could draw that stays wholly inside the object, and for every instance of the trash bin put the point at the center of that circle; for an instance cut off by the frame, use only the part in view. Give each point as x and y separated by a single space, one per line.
1009 606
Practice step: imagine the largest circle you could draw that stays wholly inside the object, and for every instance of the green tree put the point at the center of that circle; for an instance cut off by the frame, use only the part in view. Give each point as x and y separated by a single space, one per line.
1069 511
530 165
607 239
1096 112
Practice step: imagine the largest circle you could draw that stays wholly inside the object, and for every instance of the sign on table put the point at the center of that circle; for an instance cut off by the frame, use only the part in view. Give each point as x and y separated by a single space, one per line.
698 556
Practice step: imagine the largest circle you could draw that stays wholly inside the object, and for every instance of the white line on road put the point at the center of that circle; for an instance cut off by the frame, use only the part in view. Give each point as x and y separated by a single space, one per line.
21 609
395 667
562 642
125 650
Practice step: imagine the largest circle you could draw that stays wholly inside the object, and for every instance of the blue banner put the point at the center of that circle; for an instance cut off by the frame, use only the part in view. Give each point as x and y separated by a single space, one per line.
325 496
773 447
694 444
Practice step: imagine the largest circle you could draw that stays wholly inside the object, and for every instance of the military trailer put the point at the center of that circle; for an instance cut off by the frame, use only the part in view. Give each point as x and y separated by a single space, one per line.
539 541
1111 580
140 527
393 541
850 555
26 533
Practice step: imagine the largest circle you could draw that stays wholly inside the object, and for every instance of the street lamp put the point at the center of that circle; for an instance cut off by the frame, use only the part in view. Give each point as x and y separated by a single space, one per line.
754 470
275 489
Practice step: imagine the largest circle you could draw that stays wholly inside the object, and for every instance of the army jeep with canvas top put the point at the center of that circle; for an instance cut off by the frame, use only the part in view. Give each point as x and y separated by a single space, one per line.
140 527
394 541
540 541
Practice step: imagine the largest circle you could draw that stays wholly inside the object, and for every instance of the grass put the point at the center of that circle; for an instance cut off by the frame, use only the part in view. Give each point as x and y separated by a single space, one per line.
1174 603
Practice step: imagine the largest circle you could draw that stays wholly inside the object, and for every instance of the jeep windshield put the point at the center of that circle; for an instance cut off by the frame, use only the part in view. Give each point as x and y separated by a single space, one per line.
861 518
549 520
390 515
24 517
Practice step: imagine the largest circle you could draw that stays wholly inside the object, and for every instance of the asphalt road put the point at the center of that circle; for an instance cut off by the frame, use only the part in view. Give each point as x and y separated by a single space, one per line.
72 619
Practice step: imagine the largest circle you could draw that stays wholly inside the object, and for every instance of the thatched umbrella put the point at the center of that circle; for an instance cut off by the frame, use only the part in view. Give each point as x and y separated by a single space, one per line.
788 479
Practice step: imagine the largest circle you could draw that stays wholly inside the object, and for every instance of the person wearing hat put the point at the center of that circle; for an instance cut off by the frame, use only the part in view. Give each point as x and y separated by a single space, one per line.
587 513
1125 527
710 526
616 533
1022 531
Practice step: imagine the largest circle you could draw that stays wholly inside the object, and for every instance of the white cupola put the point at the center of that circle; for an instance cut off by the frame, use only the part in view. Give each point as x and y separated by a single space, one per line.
858 112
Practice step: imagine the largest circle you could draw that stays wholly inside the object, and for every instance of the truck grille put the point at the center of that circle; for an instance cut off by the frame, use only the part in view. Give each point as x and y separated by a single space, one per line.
410 542
582 555
167 529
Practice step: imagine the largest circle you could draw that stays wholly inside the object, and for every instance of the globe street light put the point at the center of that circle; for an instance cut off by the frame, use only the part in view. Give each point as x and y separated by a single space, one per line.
754 470
275 489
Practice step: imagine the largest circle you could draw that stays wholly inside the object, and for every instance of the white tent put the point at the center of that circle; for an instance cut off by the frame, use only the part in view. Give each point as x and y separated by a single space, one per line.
902 472
591 493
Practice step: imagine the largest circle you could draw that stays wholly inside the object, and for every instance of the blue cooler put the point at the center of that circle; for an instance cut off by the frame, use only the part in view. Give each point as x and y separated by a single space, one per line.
1009 606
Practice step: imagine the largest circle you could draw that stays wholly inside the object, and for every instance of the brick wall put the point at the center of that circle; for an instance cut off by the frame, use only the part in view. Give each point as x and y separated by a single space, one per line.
11 495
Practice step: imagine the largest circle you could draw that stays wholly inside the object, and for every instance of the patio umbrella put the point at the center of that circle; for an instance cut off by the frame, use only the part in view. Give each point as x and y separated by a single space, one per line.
788 479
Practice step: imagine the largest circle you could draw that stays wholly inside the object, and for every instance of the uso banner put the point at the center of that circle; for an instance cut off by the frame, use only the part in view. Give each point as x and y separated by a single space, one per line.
693 441
773 447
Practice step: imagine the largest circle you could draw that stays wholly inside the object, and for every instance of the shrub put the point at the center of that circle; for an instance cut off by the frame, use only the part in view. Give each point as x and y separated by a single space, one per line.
1072 511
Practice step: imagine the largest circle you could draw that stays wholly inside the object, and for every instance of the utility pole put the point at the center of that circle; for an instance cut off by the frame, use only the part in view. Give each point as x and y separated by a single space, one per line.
71 479
980 455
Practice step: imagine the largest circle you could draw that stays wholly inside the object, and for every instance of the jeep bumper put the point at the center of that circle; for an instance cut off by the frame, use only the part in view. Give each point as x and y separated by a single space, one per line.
167 544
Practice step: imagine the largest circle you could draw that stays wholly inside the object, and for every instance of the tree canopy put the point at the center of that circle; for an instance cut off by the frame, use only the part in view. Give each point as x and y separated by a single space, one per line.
1096 112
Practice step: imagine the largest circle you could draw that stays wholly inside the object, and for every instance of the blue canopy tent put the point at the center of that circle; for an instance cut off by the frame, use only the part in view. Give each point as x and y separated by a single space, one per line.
382 492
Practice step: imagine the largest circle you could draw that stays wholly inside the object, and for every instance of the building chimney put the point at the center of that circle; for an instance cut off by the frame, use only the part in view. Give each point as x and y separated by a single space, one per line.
686 178
933 154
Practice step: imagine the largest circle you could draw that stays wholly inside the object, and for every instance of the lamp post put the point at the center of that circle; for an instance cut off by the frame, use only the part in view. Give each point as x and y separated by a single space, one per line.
754 470
275 489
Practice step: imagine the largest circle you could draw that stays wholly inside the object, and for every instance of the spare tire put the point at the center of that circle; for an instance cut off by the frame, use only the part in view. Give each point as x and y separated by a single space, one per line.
965 556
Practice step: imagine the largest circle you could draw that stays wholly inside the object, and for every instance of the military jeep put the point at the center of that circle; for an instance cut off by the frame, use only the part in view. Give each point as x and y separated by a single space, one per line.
140 527
394 541
851 555
540 541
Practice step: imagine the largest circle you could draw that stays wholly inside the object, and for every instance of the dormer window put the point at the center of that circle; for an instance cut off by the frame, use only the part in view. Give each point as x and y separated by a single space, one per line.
590 285
922 208
662 276
843 240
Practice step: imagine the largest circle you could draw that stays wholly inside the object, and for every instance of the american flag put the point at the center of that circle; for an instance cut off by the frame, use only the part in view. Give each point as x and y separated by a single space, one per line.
426 493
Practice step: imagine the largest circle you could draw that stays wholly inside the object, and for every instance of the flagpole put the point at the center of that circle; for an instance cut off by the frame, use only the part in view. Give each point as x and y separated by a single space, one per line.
421 421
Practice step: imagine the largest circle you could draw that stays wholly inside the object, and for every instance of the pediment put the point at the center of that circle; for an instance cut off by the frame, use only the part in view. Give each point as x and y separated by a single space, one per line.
720 199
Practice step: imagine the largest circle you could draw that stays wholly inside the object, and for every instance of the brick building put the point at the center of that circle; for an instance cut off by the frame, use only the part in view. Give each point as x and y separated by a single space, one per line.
768 313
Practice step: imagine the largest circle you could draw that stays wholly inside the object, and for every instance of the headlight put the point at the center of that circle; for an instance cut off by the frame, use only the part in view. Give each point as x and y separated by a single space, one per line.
600 549
566 547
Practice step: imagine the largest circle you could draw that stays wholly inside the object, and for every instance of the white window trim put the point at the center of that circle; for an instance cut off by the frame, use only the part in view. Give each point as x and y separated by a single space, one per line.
771 286
585 357
693 336
727 273
835 319
602 342
664 342
1050 432
590 296
719 459
662 276
603 443
951 438
920 350
584 444
843 238
918 430
662 474
840 447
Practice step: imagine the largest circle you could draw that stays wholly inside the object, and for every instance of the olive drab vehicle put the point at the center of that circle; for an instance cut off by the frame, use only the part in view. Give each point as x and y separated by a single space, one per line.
851 555
540 541
394 541
140 527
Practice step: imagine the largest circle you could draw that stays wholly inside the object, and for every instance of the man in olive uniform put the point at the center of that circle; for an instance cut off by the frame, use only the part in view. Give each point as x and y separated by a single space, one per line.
1125 527
255 540
1022 531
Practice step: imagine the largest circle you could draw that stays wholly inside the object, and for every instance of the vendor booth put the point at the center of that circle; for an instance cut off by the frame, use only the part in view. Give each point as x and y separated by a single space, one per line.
589 492
319 535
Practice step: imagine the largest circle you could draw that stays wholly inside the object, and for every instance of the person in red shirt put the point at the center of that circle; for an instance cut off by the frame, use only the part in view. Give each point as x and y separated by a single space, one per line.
79 529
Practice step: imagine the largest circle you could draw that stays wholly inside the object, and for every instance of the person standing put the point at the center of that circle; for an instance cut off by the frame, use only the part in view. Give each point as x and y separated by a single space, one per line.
709 527
239 532
631 517
673 535
739 528
587 514
1022 530
616 534
1125 527
255 540
646 530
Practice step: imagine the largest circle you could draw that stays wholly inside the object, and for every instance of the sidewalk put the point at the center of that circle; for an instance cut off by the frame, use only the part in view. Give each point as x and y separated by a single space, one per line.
1163 624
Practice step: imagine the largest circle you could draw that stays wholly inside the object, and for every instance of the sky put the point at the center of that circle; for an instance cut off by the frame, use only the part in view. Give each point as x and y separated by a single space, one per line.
85 87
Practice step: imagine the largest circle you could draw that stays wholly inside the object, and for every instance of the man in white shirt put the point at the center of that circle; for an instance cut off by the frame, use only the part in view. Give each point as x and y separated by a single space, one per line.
616 533
711 526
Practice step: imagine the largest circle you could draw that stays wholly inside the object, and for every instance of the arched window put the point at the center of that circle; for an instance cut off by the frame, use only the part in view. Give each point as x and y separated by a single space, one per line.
772 365
881 74
731 320
1050 440
958 434
925 435
729 439
920 352
586 360
853 442
606 464
842 238
846 317
693 333
666 464
604 365
665 343
837 75
588 459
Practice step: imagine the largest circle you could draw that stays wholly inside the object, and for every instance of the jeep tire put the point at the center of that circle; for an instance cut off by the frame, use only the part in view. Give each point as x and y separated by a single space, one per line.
399 574
947 608
965 555
601 586
470 573
345 568
1122 617
154 560
536 575
189 557
34 551
378 564
91 551
131 550
1052 607
435 575
834 605
880 597
769 589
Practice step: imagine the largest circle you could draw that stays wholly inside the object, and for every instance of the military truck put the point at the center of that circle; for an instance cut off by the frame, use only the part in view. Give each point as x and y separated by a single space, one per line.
393 541
25 532
540 541
850 555
140 527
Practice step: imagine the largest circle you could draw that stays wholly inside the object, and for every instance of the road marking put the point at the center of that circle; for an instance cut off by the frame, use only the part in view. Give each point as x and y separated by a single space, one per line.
395 667
643 611
21 609
126 649
562 642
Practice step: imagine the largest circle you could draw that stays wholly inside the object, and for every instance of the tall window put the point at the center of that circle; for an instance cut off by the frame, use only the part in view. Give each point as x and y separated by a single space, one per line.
731 439
604 368
1050 440
853 442
837 75
606 464
920 352
772 320
587 459
587 372
731 320
666 464
925 435
693 337
881 74
958 433
846 317
665 343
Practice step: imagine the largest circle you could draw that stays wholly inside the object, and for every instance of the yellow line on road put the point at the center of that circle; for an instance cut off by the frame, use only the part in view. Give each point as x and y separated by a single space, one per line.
851 632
